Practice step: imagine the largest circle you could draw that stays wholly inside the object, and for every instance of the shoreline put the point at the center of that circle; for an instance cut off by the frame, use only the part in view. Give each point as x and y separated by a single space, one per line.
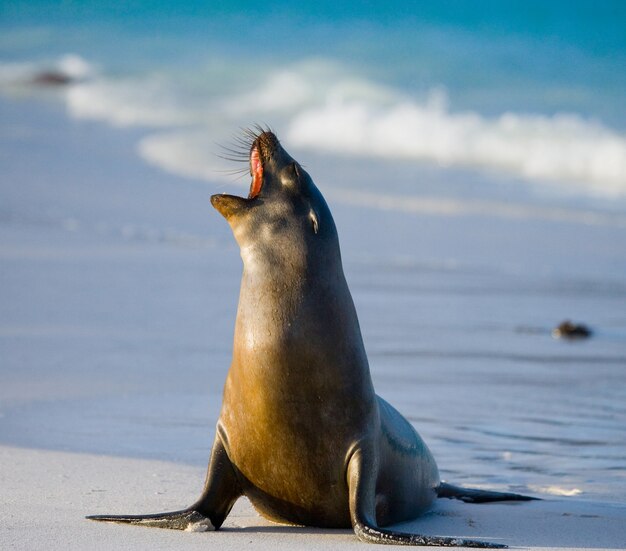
119 287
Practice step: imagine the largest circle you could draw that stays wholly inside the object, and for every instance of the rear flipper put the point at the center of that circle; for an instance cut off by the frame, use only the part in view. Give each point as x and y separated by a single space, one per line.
470 495
187 519
362 469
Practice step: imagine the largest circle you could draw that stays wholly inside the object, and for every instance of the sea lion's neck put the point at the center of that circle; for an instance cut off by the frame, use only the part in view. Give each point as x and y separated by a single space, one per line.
289 288
291 263
303 304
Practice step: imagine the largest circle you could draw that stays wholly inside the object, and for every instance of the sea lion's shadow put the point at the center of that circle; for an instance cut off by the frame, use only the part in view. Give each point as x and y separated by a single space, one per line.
280 529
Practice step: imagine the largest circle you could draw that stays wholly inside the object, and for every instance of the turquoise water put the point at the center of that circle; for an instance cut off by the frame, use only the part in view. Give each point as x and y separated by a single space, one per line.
530 91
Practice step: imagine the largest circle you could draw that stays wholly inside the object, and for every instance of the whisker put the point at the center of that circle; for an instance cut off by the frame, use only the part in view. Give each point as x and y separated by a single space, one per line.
235 148
238 177
242 172
239 148
232 157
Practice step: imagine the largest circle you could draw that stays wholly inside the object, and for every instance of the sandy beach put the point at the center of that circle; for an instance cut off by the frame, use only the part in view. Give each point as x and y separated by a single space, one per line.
67 484
118 292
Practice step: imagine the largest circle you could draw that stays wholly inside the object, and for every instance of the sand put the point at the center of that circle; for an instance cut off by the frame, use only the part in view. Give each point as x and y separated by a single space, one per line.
48 493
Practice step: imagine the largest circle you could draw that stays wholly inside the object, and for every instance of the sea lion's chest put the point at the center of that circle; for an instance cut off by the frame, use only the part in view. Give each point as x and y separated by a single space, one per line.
289 435
278 424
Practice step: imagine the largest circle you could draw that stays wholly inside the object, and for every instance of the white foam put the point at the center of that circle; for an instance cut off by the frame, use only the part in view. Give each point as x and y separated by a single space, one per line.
327 109
22 73
288 91
149 100
75 66
562 148
321 106
129 102
189 153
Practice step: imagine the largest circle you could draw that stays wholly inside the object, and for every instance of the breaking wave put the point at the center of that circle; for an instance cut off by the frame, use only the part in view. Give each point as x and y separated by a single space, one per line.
564 148
318 105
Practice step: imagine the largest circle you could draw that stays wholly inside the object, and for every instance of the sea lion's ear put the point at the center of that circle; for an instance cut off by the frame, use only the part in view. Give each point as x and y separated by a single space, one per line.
314 220
229 205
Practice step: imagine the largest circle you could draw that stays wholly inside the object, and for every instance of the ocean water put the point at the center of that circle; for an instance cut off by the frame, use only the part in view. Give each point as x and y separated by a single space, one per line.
483 142
529 94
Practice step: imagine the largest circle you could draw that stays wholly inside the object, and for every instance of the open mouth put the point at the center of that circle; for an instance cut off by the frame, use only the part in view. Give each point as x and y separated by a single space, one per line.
256 171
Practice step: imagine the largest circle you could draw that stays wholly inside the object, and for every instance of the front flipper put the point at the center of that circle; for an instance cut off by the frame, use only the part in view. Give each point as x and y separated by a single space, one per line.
221 490
471 495
187 519
362 474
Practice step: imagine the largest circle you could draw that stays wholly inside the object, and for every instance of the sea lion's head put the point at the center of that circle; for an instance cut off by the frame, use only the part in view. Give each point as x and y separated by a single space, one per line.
284 219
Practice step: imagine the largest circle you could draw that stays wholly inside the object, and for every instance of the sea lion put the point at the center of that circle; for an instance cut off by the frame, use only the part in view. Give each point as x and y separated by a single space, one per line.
301 432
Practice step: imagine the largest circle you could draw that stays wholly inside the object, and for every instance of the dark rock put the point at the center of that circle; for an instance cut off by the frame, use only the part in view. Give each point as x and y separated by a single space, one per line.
570 330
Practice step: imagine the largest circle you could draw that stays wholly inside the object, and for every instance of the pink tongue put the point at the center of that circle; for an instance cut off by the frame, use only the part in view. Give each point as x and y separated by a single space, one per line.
257 173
